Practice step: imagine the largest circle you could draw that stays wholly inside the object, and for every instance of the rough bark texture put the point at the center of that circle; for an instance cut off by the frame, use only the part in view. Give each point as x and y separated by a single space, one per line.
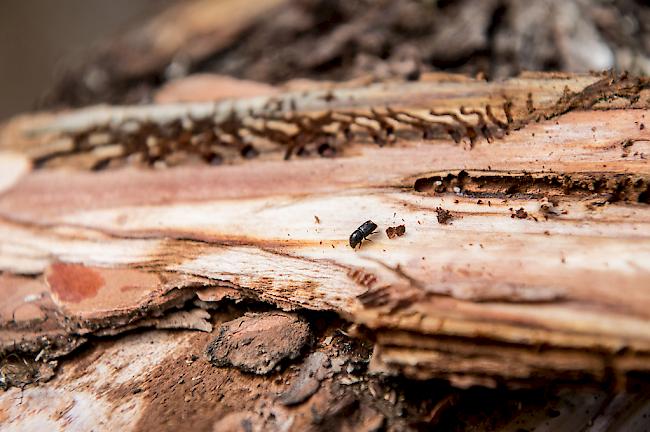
543 181
511 251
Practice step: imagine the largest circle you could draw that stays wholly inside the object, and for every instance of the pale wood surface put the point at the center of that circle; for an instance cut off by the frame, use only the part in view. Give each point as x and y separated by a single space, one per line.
560 287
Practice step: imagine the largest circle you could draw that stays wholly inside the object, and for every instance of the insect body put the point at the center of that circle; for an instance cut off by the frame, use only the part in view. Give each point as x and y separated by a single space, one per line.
360 234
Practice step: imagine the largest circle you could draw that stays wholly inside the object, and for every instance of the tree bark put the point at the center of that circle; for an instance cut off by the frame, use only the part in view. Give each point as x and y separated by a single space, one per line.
525 256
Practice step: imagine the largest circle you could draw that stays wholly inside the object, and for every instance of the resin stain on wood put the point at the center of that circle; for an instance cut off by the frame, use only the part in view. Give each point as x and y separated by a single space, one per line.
73 283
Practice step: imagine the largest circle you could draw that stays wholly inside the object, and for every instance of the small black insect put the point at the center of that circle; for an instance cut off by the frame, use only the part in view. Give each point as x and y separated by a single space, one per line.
360 234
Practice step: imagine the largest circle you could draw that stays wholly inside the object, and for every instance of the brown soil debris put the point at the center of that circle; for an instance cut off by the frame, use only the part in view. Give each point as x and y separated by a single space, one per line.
314 370
326 390
239 421
257 343
397 231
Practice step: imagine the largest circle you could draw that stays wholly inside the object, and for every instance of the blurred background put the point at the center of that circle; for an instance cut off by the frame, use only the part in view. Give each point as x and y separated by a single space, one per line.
37 37
79 52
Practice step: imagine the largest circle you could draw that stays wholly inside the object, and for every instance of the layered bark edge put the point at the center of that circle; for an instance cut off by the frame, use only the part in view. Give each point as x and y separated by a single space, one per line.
525 206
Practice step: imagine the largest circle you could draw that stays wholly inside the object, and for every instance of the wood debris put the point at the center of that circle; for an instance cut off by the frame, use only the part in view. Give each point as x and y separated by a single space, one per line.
397 231
257 343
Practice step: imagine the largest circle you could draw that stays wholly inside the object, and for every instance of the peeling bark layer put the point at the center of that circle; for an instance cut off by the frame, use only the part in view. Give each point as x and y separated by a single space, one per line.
541 269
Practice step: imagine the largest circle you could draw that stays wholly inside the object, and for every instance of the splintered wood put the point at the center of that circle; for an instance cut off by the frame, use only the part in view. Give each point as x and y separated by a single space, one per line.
538 268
